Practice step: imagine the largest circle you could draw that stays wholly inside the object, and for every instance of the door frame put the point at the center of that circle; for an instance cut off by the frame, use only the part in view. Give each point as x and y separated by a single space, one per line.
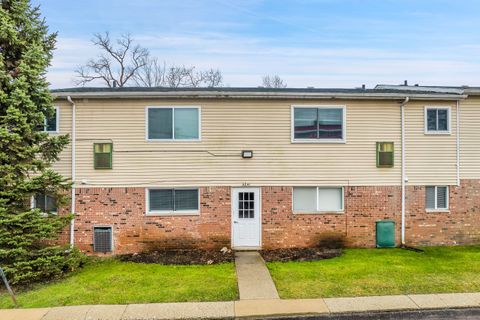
232 216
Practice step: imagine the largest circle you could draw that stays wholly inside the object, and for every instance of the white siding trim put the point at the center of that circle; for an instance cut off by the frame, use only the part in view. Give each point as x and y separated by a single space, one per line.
344 124
173 107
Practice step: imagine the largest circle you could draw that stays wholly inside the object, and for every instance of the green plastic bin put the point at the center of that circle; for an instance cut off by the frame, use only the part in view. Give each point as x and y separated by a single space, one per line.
385 231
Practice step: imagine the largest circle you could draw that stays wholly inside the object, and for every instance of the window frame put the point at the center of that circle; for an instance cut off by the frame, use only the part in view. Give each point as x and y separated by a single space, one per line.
173 107
436 209
57 121
437 132
149 212
95 153
33 205
292 123
377 145
317 211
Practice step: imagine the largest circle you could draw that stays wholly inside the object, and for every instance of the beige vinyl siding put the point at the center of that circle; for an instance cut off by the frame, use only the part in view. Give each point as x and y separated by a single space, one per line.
470 138
230 126
430 158
64 166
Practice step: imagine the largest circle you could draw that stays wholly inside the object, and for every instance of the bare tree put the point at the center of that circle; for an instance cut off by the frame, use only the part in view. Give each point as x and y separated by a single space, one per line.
273 82
117 64
212 78
152 74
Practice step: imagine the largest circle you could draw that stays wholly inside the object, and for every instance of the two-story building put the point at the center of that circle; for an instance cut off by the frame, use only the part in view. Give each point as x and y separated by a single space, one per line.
268 168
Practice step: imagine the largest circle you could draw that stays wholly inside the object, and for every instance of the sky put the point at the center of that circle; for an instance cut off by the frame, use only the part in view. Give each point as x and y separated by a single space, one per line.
317 43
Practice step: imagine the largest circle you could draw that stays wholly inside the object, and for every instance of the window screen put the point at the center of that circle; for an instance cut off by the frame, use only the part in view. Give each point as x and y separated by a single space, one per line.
330 199
102 239
171 200
45 203
436 197
173 123
437 119
102 155
385 154
318 123
51 122
317 199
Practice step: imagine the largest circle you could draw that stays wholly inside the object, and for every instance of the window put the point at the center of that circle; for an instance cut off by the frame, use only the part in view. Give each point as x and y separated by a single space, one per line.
45 203
51 124
437 120
102 155
385 154
318 124
173 201
317 199
102 239
436 198
173 123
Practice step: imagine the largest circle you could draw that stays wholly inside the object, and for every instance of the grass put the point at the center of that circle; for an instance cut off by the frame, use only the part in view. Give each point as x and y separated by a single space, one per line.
365 272
114 282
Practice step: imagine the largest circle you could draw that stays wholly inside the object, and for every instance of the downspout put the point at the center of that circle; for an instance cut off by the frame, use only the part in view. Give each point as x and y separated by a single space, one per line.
458 142
404 178
74 138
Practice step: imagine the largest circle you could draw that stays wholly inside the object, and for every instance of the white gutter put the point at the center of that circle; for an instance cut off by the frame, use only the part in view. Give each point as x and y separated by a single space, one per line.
404 177
74 139
458 142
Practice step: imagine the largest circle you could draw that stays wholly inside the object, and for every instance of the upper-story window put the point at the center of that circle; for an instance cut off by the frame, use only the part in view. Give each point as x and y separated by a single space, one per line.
173 123
318 124
437 120
51 124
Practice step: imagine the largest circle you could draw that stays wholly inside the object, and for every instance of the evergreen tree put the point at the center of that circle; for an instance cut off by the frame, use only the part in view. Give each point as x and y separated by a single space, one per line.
27 252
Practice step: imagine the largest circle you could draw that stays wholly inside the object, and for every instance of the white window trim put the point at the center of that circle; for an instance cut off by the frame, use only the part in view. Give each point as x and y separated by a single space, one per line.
447 209
199 108
342 210
437 132
57 121
344 124
33 206
149 212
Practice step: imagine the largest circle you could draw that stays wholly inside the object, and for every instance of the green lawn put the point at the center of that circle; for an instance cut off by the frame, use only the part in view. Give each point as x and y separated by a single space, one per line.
114 282
364 272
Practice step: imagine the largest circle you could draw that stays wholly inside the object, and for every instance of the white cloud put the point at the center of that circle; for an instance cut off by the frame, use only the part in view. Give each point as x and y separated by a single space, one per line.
244 60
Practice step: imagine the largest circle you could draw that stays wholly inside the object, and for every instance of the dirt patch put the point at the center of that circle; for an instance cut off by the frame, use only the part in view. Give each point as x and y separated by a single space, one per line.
181 256
299 254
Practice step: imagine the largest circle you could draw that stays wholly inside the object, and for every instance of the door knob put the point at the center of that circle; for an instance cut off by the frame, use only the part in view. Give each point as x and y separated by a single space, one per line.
235 221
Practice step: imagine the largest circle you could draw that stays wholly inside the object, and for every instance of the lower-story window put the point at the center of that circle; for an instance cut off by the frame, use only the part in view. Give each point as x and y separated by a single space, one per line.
317 199
45 202
436 197
173 201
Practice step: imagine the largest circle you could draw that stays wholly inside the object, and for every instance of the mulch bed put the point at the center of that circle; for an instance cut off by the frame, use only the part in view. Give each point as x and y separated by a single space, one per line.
181 256
299 254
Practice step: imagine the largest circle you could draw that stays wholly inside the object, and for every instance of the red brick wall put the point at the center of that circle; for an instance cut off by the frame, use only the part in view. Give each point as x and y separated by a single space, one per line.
124 210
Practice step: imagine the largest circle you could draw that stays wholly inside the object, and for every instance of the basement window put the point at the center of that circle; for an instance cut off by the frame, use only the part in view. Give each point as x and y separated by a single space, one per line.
385 154
102 155
436 197
102 239
183 201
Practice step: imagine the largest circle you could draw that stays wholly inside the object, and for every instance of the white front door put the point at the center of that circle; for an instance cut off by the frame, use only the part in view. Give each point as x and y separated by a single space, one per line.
246 220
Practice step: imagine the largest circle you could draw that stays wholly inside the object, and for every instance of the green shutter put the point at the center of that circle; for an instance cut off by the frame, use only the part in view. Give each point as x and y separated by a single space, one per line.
385 154
102 155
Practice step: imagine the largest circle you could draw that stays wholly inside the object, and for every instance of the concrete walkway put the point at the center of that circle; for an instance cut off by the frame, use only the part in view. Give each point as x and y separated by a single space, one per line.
253 277
247 308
